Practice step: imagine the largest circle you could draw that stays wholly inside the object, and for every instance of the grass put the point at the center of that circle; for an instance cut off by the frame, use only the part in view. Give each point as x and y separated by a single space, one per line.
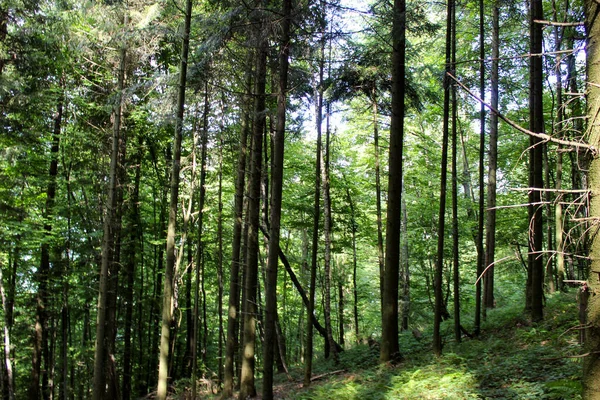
512 359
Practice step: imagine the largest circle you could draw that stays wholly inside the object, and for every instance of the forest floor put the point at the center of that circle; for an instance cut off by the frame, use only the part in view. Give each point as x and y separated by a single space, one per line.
511 359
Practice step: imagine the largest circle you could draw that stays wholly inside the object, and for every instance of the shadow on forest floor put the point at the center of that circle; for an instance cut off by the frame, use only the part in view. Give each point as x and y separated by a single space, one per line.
512 359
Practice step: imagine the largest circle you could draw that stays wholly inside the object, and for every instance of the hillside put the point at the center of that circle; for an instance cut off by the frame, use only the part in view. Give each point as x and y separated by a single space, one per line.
512 359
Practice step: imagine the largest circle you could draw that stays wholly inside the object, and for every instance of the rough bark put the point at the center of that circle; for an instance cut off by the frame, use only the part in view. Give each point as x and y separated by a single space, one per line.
439 265
390 349
247 381
276 198
536 124
100 356
490 223
161 392
591 364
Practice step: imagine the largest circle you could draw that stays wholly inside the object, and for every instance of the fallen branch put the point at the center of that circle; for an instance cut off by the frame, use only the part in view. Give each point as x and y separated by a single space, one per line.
314 378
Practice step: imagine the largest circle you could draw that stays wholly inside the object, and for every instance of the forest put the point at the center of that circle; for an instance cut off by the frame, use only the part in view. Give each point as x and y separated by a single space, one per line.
301 199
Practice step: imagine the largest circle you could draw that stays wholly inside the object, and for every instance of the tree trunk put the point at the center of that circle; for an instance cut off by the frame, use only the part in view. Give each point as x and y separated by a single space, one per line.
100 355
247 385
490 224
200 246
7 359
41 345
234 275
327 228
479 241
455 242
161 392
390 349
536 124
275 217
591 366
310 309
439 266
380 249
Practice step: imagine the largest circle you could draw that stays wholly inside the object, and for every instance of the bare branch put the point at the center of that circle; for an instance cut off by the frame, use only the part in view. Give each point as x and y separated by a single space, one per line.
543 136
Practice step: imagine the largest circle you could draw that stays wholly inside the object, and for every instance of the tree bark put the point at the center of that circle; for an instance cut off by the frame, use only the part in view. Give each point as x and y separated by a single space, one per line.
536 124
390 349
276 198
310 308
161 392
247 383
234 277
439 265
41 344
591 366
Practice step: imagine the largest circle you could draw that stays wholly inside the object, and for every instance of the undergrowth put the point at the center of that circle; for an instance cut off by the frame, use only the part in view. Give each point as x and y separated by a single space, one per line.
512 359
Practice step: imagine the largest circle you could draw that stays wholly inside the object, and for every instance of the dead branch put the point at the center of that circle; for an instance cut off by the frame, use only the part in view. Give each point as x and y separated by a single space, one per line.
553 23
314 378
542 136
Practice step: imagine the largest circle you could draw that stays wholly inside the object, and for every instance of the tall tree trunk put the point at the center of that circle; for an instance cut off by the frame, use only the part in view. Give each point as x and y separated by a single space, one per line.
439 266
490 224
327 230
536 124
200 244
310 309
102 336
41 344
591 366
220 258
479 241
455 242
247 385
558 130
7 359
167 317
380 249
234 274
390 349
276 195
353 229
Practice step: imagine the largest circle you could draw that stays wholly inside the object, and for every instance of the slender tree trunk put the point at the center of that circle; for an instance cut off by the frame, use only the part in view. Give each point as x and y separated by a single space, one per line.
276 195
536 124
380 249
234 278
439 267
327 228
390 349
353 229
247 385
110 229
308 356
7 359
200 245
455 242
480 255
167 317
591 366
405 265
220 259
490 225
558 128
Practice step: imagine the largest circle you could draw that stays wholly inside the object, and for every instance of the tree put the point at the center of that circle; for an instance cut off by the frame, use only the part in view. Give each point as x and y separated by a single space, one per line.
536 152
389 340
439 260
167 316
276 193
592 360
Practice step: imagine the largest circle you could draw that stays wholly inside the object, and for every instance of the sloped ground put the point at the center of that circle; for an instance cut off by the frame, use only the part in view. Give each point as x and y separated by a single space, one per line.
512 359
